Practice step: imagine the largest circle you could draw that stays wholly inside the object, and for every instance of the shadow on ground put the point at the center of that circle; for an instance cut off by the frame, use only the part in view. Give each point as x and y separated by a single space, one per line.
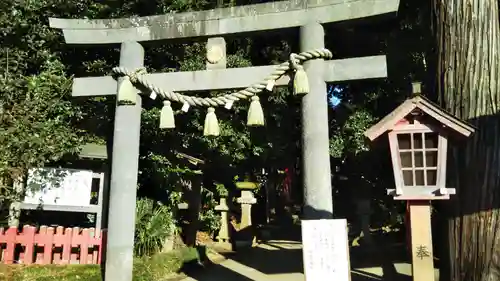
281 259
206 270
216 272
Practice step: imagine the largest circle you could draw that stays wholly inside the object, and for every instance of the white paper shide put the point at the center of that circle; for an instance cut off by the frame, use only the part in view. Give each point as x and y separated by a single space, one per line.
63 187
325 249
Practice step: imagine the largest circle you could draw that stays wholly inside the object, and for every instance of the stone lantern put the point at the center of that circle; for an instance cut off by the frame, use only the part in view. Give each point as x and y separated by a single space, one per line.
245 237
246 200
419 132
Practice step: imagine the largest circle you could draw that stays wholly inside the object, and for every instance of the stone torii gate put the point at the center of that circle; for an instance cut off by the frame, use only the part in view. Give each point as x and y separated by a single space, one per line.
309 15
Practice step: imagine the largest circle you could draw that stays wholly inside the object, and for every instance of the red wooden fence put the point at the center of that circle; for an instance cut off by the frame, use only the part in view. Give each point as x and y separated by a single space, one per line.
51 246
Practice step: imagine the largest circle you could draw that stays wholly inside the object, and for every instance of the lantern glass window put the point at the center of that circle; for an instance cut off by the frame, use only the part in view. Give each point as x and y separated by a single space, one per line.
418 152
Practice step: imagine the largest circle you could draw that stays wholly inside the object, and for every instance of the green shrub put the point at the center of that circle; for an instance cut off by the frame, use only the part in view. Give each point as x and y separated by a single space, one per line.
209 220
154 224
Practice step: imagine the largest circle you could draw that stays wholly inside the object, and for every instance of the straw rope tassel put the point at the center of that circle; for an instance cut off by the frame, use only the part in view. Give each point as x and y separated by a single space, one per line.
126 92
255 113
300 81
167 120
211 124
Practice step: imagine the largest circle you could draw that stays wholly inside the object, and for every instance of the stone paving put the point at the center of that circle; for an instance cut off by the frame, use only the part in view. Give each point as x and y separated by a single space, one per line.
282 260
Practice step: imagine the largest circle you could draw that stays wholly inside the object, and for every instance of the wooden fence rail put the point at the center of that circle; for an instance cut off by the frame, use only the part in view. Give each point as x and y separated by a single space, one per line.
51 245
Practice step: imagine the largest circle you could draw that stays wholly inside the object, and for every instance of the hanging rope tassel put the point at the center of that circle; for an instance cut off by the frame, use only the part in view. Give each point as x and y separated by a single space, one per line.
300 81
127 94
167 120
255 113
211 124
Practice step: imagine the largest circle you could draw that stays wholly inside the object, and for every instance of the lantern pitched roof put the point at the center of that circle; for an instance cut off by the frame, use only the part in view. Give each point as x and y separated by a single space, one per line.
427 107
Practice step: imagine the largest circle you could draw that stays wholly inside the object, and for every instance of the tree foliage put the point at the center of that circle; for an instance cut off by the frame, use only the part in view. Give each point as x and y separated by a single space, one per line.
36 113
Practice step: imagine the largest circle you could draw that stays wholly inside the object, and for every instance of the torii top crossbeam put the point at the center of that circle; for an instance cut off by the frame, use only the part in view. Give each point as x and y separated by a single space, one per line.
222 21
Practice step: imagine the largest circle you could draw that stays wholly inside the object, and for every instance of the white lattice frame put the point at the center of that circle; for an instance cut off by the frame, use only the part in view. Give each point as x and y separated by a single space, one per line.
419 192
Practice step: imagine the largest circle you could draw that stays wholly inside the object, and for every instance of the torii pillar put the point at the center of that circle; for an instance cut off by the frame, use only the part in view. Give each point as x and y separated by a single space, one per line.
316 171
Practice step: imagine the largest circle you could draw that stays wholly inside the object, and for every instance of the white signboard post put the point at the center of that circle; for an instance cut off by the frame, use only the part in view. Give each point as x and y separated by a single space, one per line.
62 187
326 250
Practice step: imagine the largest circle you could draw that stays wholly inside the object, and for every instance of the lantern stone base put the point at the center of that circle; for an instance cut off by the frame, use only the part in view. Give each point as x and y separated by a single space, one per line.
169 244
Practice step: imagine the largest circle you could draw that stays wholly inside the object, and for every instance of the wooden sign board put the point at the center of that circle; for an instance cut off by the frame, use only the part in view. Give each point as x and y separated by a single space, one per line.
326 250
65 190
66 187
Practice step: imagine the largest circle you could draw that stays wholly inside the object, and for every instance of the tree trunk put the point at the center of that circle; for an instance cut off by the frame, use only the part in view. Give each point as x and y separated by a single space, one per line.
192 189
469 87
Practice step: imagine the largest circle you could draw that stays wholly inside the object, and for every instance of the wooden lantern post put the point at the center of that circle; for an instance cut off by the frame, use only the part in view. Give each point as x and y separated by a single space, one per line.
418 133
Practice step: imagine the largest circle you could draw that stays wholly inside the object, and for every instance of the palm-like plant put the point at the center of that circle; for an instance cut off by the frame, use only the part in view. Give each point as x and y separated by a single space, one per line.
154 224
